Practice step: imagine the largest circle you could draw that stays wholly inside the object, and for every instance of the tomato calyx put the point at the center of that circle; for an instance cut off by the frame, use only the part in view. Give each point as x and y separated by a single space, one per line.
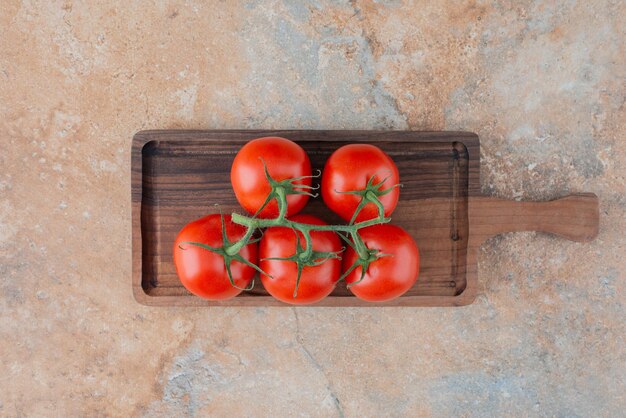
306 257
230 252
371 194
366 256
281 188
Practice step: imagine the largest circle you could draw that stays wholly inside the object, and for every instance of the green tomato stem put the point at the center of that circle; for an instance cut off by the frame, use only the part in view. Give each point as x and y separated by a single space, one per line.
308 250
359 245
236 247
268 223
370 196
282 202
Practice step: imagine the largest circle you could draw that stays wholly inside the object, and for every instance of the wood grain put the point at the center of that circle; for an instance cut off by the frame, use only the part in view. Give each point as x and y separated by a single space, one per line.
574 217
178 176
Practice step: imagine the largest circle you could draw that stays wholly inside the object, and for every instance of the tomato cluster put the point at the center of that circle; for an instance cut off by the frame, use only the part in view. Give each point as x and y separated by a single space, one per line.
300 258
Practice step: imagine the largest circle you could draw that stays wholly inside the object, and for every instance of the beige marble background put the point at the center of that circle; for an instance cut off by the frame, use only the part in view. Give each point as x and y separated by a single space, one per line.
542 83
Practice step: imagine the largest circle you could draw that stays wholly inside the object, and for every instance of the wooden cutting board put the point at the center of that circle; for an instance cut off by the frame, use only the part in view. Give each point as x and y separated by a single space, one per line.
178 176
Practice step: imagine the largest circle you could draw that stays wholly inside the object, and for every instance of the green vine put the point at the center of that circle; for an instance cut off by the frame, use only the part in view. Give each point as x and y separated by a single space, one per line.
305 255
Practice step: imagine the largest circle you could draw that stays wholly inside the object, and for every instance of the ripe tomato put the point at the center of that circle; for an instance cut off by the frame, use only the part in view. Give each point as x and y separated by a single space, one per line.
389 276
349 169
284 159
316 282
203 272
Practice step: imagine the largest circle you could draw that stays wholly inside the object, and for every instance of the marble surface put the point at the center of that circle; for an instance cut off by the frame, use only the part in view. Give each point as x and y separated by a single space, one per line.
542 83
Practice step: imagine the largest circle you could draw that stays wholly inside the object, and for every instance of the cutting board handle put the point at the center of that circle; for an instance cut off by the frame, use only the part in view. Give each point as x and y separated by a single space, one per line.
575 217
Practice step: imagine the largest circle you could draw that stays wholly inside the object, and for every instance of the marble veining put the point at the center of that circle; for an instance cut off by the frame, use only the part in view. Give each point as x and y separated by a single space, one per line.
541 82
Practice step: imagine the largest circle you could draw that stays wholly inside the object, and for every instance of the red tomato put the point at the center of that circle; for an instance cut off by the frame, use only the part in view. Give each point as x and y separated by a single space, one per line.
316 282
349 169
389 276
203 272
284 159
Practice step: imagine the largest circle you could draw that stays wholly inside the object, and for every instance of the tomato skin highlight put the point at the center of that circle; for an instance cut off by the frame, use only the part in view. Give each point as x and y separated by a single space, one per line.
348 169
203 272
316 282
284 159
388 277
